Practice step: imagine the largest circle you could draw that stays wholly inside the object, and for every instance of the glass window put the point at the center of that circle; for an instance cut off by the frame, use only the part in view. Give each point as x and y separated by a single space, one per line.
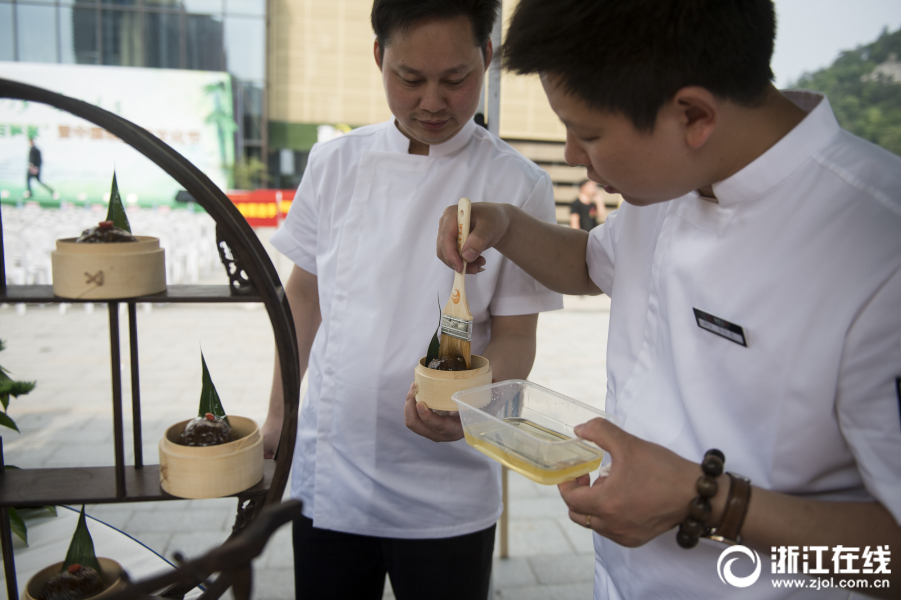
210 7
203 45
120 2
252 97
79 3
245 46
121 38
162 34
66 43
6 32
78 35
36 33
256 8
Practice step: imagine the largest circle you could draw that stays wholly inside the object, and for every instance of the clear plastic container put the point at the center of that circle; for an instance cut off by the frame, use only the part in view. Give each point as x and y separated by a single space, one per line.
529 428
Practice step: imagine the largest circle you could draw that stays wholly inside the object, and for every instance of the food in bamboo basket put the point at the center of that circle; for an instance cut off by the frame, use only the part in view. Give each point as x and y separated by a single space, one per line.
105 233
108 262
74 583
81 576
212 455
206 431
448 363
110 575
212 471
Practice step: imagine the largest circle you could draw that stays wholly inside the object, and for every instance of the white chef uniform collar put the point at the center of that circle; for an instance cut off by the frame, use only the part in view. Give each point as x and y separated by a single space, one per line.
817 130
398 142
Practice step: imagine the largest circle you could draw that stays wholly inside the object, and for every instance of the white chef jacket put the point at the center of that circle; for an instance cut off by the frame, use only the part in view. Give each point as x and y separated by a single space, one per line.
803 252
364 221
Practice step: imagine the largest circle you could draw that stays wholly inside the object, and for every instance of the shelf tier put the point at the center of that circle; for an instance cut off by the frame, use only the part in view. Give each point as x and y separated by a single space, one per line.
43 294
93 485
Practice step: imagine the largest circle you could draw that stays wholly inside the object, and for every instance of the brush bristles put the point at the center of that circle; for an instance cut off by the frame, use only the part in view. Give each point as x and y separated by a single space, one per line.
451 346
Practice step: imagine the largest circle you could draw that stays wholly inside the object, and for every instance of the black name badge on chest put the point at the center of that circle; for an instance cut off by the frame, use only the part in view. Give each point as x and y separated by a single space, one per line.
721 327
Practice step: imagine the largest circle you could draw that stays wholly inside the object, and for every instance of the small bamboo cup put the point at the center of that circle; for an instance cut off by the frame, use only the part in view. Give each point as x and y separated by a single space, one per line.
108 271
112 579
212 471
437 387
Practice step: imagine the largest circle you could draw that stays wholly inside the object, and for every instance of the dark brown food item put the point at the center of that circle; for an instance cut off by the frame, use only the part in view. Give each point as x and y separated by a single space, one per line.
75 583
206 431
105 233
448 363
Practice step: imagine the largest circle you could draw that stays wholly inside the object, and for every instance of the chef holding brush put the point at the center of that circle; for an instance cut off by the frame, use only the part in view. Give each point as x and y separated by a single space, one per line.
364 293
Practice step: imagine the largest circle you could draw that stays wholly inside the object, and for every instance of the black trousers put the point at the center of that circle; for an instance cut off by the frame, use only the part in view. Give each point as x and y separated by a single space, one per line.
344 566
36 176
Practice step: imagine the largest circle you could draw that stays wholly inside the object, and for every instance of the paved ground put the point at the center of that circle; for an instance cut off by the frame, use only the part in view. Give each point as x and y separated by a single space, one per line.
66 421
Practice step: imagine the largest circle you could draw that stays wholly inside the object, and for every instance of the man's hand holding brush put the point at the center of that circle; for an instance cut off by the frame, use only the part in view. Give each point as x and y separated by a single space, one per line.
553 255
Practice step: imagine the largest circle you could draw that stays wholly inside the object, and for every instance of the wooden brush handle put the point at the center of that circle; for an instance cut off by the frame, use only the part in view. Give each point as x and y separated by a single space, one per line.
458 306
464 209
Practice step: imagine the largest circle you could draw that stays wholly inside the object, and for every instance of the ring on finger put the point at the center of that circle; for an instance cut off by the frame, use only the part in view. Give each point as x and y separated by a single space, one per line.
588 521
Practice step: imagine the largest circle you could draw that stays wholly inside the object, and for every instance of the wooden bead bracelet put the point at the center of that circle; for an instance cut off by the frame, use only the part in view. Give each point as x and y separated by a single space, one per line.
695 524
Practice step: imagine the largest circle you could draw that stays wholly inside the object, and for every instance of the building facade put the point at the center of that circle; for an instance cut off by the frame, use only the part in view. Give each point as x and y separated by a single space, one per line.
201 35
301 70
321 70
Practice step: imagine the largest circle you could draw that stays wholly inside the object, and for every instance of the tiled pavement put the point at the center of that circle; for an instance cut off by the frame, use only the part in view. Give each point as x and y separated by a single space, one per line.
66 421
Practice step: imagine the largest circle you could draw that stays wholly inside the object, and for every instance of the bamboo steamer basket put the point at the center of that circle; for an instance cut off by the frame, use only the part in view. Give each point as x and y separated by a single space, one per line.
108 271
212 471
435 388
111 575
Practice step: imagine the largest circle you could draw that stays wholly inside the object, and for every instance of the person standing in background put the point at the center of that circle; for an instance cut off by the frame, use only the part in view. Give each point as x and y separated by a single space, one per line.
34 168
583 210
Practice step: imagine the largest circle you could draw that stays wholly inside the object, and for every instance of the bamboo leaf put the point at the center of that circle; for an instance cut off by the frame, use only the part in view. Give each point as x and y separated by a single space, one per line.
116 212
51 509
433 348
209 398
18 525
435 344
81 549
6 421
20 388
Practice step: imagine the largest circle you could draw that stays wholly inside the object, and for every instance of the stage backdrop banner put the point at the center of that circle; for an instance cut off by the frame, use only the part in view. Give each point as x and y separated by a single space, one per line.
189 110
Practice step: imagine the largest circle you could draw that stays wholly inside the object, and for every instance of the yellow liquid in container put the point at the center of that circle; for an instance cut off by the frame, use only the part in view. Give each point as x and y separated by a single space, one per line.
544 464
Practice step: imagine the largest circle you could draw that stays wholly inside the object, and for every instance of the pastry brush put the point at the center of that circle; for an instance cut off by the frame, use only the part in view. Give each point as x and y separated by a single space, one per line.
456 320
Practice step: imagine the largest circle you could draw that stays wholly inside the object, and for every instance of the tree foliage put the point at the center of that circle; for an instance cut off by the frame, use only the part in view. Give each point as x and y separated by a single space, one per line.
866 105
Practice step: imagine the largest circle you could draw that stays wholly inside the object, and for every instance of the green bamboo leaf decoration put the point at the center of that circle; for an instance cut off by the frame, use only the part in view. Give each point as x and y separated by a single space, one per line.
116 212
6 421
81 549
9 387
18 525
434 345
209 398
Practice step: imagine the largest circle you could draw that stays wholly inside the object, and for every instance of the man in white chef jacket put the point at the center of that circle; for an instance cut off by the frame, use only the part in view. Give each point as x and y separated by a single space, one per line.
365 292
755 281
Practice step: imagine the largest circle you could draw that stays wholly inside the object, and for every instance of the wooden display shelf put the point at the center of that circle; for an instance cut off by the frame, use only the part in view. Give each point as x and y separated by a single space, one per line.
92 485
252 278
43 294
